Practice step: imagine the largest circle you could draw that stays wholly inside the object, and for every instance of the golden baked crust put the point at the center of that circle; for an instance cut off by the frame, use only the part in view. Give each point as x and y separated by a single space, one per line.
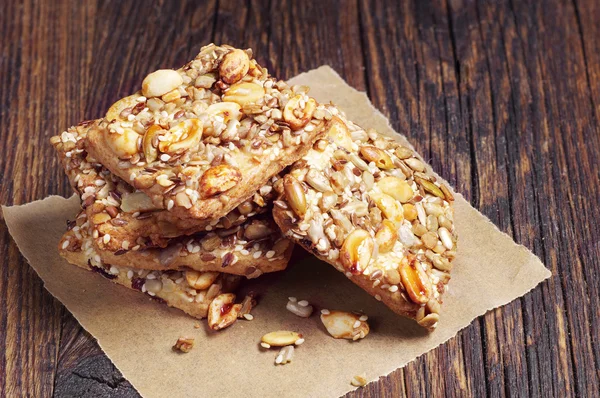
200 140
169 287
369 206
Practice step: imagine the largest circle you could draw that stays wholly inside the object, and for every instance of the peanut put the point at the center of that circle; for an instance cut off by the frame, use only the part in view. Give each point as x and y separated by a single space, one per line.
161 82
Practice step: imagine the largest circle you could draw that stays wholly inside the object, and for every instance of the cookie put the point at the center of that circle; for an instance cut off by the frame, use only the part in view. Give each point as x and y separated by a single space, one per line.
250 249
125 218
190 291
370 207
202 139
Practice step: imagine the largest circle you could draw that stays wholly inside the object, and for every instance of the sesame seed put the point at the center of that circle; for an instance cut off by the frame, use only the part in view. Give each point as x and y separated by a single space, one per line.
170 204
292 299
303 303
270 253
265 345
393 288
356 324
129 274
248 317
363 318
65 244
257 254
377 297
325 311
106 238
165 157
299 341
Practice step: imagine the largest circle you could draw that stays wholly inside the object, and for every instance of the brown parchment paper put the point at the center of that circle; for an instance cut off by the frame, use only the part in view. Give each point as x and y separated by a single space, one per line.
137 334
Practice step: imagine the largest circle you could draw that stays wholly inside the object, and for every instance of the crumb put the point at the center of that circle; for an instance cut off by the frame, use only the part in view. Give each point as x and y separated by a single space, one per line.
359 381
184 344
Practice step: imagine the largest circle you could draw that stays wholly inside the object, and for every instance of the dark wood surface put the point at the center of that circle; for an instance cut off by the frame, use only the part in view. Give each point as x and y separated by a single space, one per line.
501 97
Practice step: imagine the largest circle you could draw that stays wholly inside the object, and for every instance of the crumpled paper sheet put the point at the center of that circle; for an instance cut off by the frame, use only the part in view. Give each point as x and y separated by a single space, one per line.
137 334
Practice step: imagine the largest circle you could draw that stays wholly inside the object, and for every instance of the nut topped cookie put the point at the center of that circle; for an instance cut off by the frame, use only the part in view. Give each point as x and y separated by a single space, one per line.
201 139
124 218
251 249
189 291
368 205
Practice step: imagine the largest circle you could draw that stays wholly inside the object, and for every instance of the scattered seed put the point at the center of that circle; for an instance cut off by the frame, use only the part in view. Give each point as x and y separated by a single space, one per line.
359 381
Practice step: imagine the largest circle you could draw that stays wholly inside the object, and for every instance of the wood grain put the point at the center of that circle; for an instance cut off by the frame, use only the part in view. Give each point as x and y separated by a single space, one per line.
501 97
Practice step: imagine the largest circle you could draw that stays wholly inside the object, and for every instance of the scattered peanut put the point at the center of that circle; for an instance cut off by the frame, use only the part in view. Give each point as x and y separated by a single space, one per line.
345 325
184 344
281 338
359 381
222 312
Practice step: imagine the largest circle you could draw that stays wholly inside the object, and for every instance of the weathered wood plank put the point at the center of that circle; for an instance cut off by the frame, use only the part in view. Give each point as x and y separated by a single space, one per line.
502 98
587 15
564 158
35 99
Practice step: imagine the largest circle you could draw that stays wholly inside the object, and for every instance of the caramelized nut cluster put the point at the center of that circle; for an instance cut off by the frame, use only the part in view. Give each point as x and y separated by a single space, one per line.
205 131
125 219
189 291
367 205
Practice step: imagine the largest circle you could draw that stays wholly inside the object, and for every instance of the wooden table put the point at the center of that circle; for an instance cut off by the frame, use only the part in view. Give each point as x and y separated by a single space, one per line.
501 97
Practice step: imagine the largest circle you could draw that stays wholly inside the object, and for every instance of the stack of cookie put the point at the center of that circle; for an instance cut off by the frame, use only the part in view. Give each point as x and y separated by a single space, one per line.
186 191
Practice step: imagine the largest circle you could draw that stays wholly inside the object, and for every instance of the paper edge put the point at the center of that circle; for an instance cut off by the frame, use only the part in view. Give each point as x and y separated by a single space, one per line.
546 276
